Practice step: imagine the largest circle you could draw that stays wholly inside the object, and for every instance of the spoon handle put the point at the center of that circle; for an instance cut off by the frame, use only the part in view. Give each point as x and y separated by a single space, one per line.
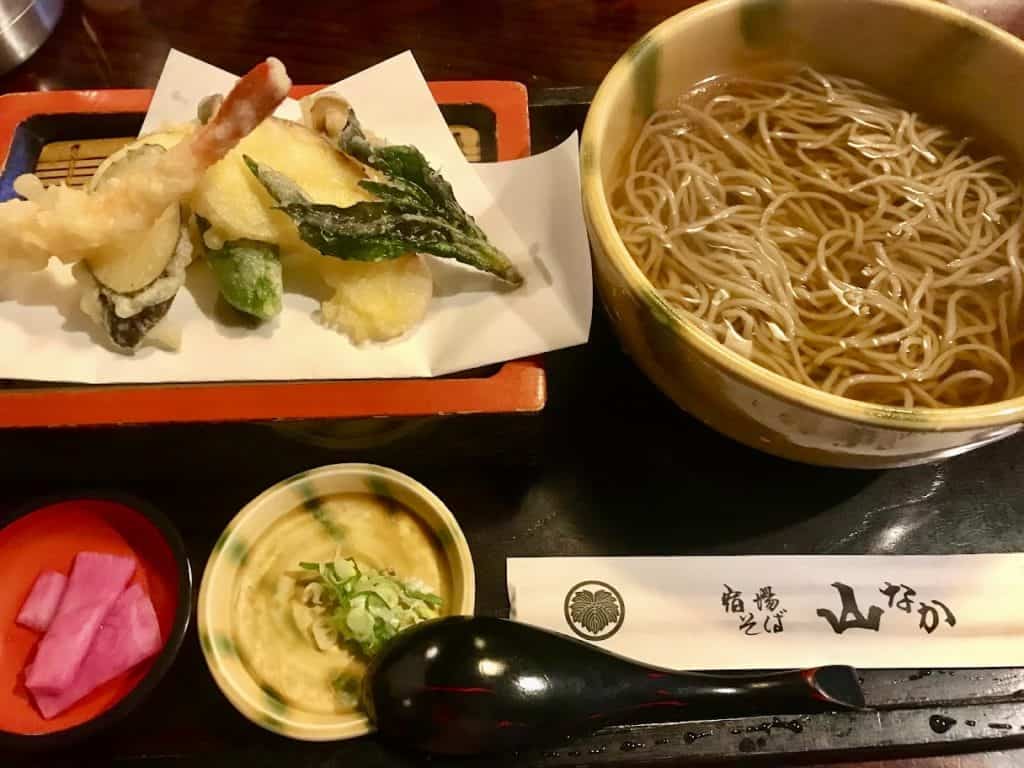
660 696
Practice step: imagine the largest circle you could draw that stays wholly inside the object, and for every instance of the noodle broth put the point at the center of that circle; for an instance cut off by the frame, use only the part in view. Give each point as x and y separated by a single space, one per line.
833 236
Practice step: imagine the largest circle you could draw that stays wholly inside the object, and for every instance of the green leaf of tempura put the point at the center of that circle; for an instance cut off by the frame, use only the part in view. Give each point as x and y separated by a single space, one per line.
415 210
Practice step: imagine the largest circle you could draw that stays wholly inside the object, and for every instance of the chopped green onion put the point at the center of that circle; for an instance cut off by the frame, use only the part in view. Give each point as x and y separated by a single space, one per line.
347 689
368 607
346 684
331 574
426 597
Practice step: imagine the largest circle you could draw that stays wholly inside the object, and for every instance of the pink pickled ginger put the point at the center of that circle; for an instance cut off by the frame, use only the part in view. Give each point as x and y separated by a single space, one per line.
41 604
96 581
129 635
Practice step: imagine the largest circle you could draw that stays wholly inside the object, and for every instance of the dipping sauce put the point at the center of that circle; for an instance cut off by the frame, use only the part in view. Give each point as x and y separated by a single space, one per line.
271 626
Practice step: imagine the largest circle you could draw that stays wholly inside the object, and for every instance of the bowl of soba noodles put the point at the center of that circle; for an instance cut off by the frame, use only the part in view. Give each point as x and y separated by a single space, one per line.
806 219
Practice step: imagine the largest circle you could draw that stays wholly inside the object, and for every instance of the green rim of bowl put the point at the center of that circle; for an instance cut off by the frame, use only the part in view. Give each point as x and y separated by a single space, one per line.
261 704
631 79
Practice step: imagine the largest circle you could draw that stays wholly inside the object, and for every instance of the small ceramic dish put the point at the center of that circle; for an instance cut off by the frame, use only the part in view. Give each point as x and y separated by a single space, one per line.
234 579
47 535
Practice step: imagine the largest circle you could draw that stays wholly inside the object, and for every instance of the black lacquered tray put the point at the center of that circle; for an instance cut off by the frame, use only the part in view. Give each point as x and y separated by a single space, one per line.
610 467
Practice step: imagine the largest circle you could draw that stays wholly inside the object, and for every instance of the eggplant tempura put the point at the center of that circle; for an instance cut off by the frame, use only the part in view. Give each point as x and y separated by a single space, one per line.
127 234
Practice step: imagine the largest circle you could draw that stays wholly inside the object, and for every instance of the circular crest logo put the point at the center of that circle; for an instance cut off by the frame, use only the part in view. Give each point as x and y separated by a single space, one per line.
594 610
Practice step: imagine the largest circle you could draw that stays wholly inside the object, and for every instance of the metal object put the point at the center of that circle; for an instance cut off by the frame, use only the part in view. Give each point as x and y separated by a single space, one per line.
24 26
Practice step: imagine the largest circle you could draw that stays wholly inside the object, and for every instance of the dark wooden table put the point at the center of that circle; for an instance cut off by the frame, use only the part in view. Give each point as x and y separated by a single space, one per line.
585 477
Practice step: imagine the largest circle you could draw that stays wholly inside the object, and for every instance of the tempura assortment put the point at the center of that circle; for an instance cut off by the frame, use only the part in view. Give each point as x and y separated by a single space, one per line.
253 196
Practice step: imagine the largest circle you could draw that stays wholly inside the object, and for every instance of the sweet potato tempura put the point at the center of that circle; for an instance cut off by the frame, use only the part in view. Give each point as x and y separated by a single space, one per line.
69 223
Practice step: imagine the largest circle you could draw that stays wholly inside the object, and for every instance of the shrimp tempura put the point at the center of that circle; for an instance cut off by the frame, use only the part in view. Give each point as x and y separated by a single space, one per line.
70 223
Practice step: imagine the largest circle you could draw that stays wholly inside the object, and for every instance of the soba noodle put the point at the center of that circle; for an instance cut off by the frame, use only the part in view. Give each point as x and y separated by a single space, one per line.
816 227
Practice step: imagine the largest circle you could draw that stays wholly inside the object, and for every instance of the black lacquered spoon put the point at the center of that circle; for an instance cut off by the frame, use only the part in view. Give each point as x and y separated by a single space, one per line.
465 685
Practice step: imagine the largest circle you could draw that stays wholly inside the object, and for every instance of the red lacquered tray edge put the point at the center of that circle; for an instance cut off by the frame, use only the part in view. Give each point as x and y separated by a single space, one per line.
519 386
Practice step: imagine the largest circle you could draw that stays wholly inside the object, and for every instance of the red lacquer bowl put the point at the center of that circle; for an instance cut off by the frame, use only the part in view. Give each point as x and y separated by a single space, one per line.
47 536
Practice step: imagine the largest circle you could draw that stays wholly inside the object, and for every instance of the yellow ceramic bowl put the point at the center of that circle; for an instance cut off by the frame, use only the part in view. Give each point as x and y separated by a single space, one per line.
220 580
943 62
